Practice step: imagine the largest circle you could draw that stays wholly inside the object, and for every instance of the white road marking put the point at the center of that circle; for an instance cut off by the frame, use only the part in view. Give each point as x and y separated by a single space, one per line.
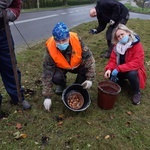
39 18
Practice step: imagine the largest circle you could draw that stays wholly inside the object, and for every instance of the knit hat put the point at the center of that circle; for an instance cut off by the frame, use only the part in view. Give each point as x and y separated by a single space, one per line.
60 31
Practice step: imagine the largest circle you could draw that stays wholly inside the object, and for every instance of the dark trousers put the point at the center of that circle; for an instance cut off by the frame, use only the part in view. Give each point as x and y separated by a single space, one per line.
110 30
132 77
6 69
59 76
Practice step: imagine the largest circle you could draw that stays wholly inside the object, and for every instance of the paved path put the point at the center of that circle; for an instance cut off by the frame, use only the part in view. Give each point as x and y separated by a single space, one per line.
37 26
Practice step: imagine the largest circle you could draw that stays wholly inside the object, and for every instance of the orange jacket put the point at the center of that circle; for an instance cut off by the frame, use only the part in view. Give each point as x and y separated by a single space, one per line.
57 56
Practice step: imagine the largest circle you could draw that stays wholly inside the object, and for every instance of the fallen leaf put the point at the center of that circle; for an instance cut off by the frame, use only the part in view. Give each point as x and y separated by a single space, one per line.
60 123
89 145
107 137
17 135
15 111
111 117
20 111
23 135
36 143
148 63
88 122
61 117
129 113
18 126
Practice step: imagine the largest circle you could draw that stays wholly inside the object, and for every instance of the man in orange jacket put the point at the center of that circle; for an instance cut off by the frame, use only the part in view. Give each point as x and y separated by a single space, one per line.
65 52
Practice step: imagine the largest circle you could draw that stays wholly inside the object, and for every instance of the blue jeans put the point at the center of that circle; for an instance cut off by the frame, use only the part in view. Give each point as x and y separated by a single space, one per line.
6 68
132 77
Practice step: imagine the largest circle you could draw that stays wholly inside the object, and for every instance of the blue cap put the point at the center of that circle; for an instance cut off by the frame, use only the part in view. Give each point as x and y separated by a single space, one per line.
60 31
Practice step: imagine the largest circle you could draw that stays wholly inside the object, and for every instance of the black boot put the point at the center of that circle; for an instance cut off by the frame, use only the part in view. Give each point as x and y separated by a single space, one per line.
59 89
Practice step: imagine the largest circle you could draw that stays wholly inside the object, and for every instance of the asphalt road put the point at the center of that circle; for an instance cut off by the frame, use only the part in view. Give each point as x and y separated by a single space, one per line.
37 26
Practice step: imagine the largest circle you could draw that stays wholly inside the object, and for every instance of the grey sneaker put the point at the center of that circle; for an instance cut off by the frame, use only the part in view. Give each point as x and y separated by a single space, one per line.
59 89
25 105
136 98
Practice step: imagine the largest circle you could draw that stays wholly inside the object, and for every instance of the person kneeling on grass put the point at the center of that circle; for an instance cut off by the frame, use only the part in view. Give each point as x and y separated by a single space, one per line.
65 52
127 61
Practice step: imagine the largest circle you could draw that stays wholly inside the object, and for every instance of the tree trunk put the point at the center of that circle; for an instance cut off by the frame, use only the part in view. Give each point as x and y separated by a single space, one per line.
64 2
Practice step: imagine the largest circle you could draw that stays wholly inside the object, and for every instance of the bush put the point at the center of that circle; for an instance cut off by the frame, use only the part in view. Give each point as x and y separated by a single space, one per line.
53 3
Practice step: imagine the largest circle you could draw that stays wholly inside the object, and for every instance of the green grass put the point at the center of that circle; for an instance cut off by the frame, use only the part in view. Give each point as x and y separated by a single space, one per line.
128 126
137 9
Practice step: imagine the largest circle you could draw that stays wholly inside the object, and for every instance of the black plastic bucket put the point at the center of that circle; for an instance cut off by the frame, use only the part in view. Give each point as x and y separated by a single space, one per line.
79 89
107 94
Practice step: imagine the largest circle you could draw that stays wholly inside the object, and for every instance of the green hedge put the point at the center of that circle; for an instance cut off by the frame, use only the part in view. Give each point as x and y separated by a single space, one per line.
28 4
71 3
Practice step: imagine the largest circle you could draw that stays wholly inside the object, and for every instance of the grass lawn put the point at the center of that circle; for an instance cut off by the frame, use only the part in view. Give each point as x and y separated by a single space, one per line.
125 127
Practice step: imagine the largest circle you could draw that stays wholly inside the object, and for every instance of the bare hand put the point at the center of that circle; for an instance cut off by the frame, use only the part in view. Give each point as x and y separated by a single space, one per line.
107 74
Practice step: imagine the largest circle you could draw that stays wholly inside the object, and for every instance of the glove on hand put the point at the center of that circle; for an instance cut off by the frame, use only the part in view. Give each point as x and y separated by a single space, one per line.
10 16
114 72
111 22
86 84
93 31
47 104
3 4
114 79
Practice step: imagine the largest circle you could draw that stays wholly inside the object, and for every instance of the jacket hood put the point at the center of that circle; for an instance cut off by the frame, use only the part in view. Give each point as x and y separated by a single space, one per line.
136 40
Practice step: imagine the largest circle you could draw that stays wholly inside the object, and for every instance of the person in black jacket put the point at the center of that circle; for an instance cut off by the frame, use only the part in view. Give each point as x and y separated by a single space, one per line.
109 12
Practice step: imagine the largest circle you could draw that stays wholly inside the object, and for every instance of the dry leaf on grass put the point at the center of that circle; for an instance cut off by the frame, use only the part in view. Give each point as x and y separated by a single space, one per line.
60 123
88 122
129 113
17 135
107 137
18 126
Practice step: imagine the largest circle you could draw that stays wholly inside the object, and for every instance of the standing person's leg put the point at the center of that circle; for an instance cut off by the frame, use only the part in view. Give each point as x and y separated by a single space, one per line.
109 36
109 44
125 20
7 73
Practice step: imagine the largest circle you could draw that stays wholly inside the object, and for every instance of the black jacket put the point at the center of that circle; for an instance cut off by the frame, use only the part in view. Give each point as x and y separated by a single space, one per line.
109 10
